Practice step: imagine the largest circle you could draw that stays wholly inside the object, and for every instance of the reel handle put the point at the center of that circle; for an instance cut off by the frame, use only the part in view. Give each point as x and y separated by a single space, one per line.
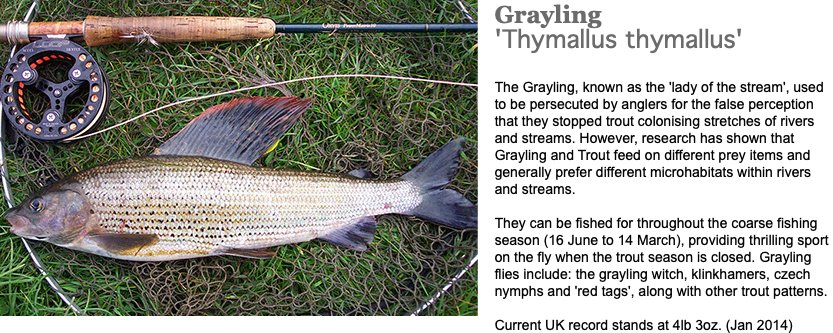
108 30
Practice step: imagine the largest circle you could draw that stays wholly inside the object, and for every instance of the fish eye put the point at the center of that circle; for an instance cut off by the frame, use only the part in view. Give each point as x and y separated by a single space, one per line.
37 204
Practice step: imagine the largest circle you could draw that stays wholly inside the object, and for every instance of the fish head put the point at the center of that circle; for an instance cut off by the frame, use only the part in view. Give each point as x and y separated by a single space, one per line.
58 216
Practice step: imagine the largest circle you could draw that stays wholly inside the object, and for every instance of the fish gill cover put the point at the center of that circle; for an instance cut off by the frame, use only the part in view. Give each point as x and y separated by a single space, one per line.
382 125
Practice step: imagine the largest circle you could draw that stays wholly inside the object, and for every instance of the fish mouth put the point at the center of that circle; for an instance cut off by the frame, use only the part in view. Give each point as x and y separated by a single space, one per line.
18 223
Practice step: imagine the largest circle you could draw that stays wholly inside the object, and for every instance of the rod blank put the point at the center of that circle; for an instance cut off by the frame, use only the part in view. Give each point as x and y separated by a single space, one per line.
107 30
301 28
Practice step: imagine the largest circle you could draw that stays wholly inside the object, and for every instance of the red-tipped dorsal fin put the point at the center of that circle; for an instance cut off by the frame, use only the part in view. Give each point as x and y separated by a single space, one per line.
239 131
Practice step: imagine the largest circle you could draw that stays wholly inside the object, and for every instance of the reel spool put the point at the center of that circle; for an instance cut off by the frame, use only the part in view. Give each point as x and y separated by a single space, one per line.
29 75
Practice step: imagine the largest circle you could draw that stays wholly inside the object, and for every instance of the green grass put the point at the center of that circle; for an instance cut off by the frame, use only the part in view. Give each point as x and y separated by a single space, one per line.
382 125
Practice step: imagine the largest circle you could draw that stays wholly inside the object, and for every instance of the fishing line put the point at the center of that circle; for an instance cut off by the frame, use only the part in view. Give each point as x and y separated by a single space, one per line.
272 84
37 105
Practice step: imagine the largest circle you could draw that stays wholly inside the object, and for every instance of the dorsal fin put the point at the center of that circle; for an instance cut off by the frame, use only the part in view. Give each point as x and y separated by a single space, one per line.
240 130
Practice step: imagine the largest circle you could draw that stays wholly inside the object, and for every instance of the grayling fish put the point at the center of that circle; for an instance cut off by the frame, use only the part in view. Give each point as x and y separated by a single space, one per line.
198 195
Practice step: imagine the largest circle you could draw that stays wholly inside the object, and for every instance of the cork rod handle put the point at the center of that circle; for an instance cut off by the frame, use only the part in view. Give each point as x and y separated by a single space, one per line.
108 30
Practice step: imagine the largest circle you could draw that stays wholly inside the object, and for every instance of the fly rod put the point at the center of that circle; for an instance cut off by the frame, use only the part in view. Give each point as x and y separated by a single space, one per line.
52 44
97 30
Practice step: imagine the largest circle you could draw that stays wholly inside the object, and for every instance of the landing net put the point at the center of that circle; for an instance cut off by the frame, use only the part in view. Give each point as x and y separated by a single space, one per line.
385 126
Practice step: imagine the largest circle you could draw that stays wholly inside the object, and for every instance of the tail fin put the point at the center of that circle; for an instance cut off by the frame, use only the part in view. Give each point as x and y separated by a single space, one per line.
444 206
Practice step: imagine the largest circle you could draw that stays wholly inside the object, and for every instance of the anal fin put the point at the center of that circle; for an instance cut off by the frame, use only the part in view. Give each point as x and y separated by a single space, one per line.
250 253
355 236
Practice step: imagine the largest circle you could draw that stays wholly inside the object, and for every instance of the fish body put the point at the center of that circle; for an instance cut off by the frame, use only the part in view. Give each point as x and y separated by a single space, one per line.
190 199
200 206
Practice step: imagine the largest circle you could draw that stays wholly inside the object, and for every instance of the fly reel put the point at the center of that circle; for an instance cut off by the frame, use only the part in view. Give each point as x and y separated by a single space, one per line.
53 90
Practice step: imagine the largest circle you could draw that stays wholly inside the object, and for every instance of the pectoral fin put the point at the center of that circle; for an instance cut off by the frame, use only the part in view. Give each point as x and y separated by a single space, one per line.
123 244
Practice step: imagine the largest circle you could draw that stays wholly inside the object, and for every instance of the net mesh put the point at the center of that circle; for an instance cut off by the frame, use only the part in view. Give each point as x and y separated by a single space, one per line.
385 126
